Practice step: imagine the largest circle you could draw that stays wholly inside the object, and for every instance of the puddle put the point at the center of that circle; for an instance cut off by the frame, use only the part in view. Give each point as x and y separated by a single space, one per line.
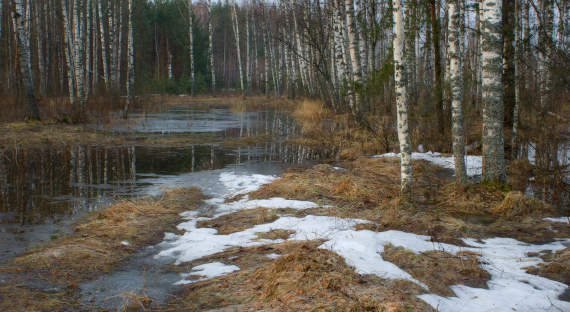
44 190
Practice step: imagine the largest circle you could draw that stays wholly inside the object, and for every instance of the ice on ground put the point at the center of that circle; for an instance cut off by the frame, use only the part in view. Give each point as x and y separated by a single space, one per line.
561 219
208 270
473 163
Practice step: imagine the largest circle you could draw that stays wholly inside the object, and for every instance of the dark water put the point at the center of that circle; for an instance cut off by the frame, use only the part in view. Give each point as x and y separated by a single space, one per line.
44 190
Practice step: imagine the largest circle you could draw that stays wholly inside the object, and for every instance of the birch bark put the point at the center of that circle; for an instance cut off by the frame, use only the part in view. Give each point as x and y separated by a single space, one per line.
456 80
401 94
211 47
24 56
492 96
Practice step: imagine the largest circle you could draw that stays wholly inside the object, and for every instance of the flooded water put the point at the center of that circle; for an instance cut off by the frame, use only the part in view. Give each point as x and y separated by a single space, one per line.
44 190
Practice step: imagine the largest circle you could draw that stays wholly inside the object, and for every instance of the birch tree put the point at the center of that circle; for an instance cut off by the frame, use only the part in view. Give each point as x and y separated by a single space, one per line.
238 49
492 93
131 61
354 95
103 39
191 46
22 35
456 79
401 94
211 47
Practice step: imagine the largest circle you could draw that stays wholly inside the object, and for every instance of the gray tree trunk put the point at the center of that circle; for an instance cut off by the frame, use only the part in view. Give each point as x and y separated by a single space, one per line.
131 61
238 49
24 56
191 46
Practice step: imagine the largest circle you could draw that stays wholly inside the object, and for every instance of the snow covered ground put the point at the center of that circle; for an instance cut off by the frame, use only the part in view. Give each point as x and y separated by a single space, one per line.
473 163
510 287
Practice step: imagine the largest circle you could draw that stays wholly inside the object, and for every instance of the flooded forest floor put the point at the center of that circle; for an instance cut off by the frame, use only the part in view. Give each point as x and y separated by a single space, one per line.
328 232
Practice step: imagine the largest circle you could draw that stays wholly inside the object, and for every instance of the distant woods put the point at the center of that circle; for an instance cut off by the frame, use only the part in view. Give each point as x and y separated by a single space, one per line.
445 63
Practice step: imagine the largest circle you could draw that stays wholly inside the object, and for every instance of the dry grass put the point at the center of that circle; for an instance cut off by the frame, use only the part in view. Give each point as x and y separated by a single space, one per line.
305 278
275 234
516 205
556 266
439 269
369 189
240 220
96 247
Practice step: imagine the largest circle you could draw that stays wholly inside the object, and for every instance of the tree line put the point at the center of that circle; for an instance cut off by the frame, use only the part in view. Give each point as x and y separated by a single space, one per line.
489 59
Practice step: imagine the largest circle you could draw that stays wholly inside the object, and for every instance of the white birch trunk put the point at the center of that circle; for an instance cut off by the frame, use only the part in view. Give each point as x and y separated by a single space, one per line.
456 81
238 49
247 50
191 46
69 58
211 47
492 97
353 48
131 61
514 141
103 44
25 58
401 94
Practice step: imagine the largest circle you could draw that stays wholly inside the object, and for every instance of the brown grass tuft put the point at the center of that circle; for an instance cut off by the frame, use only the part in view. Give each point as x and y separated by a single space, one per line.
240 220
519 205
556 266
439 269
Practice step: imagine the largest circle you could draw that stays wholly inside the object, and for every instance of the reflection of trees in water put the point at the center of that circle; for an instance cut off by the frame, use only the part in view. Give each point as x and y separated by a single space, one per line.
48 182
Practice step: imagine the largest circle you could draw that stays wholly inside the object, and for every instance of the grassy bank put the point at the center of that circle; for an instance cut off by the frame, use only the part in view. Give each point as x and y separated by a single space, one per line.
99 244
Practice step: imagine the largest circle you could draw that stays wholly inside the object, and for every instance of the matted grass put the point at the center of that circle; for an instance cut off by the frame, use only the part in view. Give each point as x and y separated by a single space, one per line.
304 278
369 189
240 220
94 248
556 266
439 269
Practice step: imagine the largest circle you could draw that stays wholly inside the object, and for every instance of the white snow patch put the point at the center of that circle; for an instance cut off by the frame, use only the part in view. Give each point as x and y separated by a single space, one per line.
473 163
561 219
241 184
510 287
196 242
208 270
339 169
273 256
244 203
125 243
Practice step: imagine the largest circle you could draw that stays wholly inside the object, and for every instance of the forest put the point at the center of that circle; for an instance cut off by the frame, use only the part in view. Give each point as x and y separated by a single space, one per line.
238 155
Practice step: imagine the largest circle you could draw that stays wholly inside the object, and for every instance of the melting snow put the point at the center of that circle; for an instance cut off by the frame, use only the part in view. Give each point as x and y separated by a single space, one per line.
472 162
510 287
562 219
208 270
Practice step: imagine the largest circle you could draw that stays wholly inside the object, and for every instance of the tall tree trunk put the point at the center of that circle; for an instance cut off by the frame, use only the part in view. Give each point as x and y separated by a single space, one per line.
514 140
456 79
493 109
247 50
401 94
435 26
131 61
211 47
545 43
354 91
69 57
103 44
24 56
238 49
191 46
